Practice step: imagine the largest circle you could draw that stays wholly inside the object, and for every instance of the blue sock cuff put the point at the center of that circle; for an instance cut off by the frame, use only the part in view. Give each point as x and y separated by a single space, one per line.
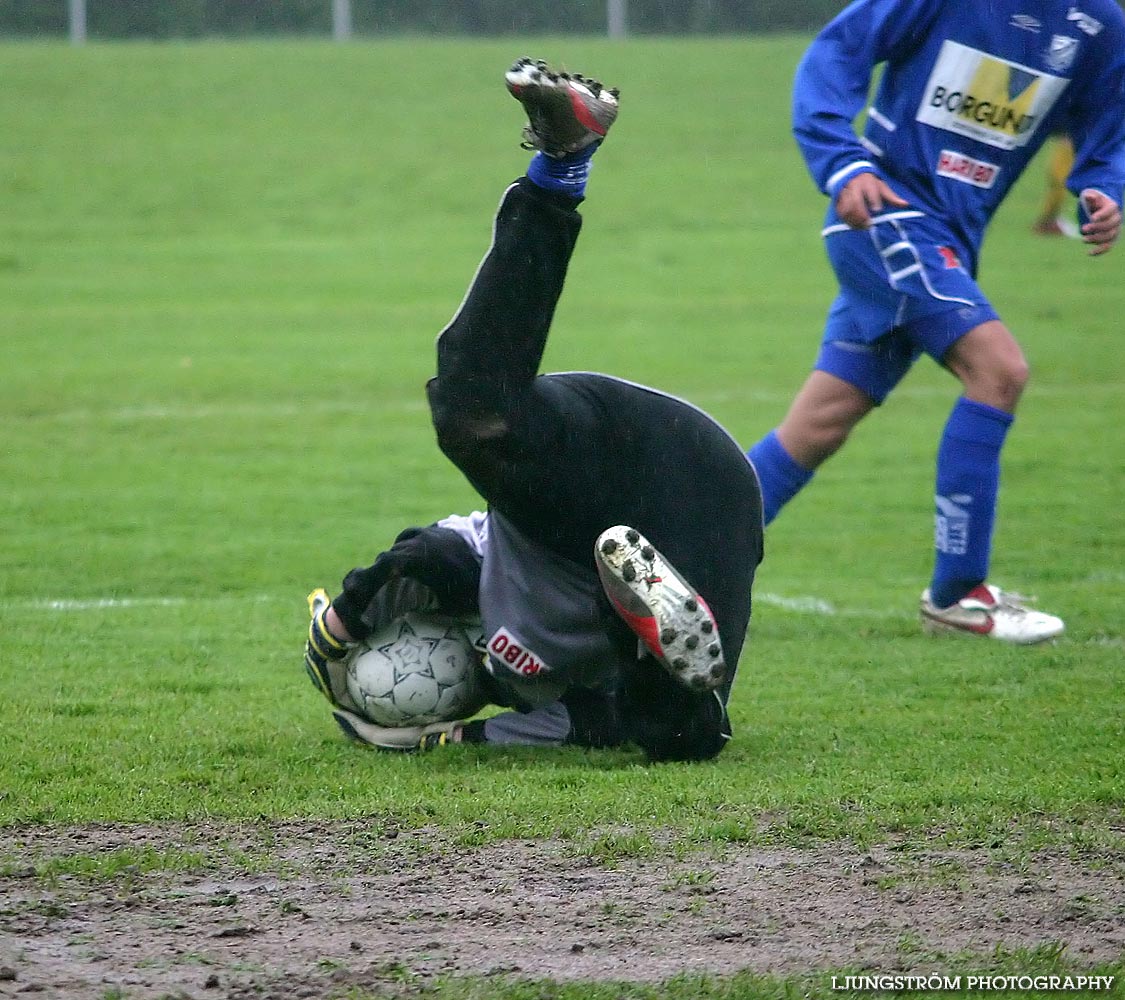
780 476
567 175
978 422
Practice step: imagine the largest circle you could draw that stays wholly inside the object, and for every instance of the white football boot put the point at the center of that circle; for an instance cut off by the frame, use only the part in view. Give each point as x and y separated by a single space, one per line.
661 607
990 611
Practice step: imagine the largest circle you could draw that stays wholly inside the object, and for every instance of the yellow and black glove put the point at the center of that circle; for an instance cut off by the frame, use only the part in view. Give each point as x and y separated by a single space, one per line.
326 655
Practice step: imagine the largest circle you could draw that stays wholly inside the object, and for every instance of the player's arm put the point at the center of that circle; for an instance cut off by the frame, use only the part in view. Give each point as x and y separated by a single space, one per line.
434 568
1096 124
831 89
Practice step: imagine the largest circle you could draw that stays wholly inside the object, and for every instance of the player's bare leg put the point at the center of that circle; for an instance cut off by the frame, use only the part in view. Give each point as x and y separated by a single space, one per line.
824 412
991 366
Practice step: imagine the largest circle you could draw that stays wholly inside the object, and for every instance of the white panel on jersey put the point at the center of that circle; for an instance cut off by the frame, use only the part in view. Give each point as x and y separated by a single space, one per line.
987 98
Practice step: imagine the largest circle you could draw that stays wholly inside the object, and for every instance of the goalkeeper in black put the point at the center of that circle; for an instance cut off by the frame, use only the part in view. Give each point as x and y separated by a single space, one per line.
612 572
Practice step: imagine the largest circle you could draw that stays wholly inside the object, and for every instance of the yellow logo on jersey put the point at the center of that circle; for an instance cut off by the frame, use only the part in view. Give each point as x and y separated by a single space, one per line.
1001 96
987 98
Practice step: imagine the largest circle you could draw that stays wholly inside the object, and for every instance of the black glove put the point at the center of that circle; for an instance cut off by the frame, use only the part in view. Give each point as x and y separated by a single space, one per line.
434 569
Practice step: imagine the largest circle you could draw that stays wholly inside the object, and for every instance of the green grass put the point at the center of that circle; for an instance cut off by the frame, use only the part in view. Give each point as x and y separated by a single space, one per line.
1028 964
222 268
109 865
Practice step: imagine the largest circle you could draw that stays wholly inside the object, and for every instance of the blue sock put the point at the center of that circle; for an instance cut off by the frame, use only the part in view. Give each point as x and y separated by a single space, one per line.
968 481
781 477
567 175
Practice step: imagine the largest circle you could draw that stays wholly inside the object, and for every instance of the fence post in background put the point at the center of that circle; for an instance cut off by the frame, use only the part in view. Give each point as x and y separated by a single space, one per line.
341 20
615 18
77 22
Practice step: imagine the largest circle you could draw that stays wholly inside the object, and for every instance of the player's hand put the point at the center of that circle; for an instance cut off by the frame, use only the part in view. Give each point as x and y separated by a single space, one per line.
1103 224
436 557
863 196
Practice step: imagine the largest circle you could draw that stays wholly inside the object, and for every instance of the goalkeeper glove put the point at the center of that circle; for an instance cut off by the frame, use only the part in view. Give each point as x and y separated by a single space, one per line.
403 739
325 654
425 567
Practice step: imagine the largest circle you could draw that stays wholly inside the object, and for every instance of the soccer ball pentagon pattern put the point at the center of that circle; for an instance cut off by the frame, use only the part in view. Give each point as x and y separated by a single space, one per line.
416 671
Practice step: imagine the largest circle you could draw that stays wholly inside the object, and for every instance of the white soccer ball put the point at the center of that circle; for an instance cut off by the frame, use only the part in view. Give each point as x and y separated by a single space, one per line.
419 669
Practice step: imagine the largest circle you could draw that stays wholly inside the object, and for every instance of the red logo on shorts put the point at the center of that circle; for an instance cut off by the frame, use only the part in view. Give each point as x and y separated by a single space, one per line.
950 259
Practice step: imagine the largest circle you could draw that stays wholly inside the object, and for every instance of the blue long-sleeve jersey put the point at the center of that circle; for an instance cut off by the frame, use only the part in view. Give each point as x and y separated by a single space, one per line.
969 92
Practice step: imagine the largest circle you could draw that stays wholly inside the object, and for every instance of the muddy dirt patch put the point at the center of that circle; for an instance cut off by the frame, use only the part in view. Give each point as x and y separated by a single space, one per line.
306 909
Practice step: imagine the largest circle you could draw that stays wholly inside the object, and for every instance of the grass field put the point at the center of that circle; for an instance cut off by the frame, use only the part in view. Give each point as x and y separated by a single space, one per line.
222 268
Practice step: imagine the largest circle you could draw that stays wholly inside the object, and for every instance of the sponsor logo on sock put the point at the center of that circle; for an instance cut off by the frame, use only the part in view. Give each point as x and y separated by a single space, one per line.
951 527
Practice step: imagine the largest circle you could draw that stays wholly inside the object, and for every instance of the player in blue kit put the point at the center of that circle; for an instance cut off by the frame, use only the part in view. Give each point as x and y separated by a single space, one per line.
969 93
611 575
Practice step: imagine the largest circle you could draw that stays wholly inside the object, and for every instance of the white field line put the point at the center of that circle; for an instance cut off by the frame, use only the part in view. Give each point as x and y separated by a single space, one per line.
800 605
947 391
141 414
1106 576
806 605
138 414
825 609
127 603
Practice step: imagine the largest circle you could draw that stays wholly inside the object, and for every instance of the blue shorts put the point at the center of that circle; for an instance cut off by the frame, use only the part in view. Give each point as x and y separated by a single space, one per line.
903 291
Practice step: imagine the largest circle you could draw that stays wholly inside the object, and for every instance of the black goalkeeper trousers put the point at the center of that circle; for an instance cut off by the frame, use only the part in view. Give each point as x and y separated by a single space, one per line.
565 456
